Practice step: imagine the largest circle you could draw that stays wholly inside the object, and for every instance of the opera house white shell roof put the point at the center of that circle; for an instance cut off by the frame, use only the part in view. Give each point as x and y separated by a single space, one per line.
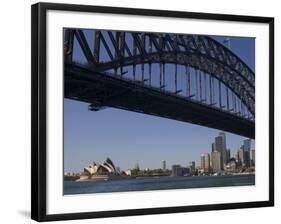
105 168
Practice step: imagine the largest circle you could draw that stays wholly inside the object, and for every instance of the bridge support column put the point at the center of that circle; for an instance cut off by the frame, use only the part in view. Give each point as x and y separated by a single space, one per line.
200 85
176 78
210 88
134 72
213 90
239 106
134 54
142 65
97 46
160 67
149 73
149 65
142 72
187 74
220 94
117 35
227 99
164 75
233 102
205 87
196 84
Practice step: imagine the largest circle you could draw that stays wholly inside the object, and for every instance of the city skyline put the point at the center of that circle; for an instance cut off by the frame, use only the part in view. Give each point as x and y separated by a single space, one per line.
185 153
129 138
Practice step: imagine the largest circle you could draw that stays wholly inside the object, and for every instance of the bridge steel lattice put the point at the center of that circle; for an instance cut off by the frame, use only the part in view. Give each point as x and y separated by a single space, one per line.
209 85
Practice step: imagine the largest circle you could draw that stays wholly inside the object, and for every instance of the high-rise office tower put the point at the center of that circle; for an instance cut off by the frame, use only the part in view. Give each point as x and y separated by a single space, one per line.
220 146
228 155
192 167
247 147
216 161
205 162
241 155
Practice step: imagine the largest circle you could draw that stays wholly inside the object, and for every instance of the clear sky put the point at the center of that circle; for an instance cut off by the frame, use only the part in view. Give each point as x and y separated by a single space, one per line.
129 138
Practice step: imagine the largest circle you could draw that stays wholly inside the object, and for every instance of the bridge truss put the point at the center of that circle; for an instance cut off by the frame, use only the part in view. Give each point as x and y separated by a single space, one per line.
191 78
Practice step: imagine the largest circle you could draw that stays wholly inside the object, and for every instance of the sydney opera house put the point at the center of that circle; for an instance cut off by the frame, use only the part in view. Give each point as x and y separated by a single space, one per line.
105 171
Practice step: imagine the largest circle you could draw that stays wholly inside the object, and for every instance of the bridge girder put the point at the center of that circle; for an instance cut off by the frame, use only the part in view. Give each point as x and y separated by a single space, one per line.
223 74
102 90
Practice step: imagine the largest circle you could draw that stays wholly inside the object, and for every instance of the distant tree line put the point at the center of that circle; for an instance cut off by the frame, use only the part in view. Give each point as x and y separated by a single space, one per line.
150 172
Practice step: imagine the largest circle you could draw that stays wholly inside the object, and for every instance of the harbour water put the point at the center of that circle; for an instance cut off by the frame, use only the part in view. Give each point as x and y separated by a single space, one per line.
156 183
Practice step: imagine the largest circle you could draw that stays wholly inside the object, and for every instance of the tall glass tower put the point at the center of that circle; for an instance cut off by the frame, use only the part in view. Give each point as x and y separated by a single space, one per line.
247 148
220 146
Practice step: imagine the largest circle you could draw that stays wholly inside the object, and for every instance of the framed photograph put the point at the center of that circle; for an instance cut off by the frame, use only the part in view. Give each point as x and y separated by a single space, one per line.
138 111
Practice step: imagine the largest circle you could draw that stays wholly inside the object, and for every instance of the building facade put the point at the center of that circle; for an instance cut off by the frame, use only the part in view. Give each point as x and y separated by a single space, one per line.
247 148
213 147
241 156
216 161
220 146
176 170
228 155
205 162
192 167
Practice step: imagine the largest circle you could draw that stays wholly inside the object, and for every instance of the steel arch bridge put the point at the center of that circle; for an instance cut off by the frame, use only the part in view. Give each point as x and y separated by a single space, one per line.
206 84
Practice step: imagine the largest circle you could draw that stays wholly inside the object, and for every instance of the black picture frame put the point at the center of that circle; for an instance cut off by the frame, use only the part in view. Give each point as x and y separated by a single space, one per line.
39 122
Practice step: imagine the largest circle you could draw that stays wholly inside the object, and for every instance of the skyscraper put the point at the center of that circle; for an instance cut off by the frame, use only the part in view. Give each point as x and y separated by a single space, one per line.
228 155
220 146
192 167
216 161
205 162
237 157
247 147
241 155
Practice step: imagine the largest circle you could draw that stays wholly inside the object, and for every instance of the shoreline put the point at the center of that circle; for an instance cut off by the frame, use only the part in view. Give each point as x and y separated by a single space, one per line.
110 178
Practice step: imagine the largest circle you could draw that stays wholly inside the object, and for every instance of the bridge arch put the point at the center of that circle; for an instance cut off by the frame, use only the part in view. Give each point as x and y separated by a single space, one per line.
197 51
128 53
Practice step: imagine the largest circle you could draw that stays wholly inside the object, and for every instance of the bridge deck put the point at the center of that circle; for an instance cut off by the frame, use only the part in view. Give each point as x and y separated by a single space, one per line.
103 90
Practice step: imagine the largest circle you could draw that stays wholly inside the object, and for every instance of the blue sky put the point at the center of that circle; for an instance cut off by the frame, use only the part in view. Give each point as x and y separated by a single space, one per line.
129 138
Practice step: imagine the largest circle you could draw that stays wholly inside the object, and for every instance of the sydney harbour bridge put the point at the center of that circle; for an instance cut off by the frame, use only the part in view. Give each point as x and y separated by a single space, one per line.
189 78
